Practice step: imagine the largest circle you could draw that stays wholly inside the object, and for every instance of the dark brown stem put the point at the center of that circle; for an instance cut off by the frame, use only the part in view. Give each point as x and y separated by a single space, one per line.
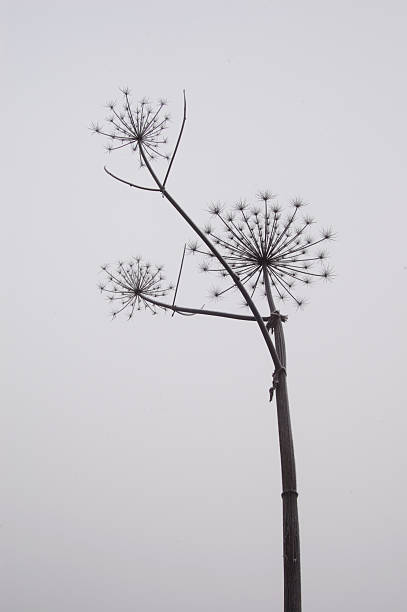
291 533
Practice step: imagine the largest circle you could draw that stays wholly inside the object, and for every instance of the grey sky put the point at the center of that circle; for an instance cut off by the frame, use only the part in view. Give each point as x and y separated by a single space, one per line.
139 461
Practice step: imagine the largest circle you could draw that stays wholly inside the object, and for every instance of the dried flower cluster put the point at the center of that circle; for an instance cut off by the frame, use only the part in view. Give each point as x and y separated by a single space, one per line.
131 285
259 239
135 126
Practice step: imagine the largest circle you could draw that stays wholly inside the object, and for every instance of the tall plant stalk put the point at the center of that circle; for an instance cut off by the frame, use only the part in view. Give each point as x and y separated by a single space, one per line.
291 530
256 250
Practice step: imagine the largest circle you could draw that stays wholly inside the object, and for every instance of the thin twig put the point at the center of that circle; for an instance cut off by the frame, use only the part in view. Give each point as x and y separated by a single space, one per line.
178 141
128 183
178 279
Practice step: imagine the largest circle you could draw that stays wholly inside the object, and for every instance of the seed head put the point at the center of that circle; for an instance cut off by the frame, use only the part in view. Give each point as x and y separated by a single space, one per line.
193 247
215 209
265 195
132 284
135 125
258 239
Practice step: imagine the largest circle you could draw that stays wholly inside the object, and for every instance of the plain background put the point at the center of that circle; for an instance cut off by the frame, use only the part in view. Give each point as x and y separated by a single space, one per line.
139 460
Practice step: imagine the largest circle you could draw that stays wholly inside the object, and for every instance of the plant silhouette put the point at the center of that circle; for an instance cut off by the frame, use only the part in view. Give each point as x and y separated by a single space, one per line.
257 251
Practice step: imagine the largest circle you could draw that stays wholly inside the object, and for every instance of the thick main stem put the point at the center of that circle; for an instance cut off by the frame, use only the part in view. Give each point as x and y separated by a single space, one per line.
291 533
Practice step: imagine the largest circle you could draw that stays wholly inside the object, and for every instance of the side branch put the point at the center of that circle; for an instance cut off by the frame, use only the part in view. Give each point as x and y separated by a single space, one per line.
178 141
179 277
197 311
128 183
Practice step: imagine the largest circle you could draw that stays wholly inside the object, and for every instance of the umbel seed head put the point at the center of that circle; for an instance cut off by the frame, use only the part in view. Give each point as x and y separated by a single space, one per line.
259 239
132 124
130 285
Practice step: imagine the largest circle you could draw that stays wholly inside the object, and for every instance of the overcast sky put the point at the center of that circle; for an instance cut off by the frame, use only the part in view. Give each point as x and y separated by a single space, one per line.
139 460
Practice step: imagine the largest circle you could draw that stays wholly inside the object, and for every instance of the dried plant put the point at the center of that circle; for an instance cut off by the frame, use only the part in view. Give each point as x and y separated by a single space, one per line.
131 126
133 285
258 251
251 238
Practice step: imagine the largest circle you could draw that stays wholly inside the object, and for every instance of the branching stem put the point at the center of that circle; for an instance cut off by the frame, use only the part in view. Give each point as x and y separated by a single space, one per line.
216 253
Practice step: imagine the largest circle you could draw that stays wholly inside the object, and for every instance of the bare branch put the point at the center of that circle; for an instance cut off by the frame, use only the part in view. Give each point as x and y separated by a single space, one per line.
178 141
179 277
128 183
197 311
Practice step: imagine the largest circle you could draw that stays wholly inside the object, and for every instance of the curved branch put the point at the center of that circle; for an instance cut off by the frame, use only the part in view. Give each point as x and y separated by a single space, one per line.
232 274
127 182
194 311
